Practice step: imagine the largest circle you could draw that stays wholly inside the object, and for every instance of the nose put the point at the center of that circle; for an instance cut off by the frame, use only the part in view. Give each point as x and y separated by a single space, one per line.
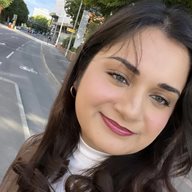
130 105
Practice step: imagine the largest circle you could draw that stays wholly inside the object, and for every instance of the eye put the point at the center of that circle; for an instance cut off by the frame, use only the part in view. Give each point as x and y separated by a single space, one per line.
160 100
119 77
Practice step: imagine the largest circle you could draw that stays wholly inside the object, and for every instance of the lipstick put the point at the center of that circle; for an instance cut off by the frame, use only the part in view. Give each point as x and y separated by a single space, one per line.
115 127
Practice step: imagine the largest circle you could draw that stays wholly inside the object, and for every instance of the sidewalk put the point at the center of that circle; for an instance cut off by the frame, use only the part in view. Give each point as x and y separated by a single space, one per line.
13 126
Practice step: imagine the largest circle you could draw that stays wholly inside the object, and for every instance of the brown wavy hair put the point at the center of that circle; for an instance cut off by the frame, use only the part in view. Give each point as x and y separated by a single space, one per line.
149 170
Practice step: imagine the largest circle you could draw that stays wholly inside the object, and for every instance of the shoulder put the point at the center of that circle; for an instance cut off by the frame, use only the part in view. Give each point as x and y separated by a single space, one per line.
25 153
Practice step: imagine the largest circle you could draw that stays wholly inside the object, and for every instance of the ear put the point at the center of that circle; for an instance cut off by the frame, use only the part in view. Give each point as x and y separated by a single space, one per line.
75 84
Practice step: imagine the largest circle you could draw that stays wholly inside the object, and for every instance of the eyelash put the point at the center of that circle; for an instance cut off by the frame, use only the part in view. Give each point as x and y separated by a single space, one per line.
161 100
119 77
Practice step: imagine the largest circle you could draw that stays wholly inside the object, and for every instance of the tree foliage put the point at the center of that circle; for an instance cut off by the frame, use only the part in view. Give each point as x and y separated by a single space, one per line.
5 3
99 8
72 7
104 8
39 23
108 7
19 8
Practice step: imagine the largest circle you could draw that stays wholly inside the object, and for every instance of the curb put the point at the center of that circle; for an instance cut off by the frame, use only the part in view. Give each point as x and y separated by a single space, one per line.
49 71
21 108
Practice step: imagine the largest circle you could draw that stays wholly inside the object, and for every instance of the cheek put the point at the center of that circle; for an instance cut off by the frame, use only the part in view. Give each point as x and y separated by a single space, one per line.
96 89
157 122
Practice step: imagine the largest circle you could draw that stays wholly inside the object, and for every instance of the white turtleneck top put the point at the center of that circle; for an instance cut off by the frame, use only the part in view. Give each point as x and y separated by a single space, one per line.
83 158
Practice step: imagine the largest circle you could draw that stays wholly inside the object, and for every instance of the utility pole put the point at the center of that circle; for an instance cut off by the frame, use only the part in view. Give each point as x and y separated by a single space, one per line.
69 44
61 25
59 31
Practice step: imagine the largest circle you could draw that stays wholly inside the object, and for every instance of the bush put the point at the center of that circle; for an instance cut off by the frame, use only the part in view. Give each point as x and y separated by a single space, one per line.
73 49
91 28
66 42
2 19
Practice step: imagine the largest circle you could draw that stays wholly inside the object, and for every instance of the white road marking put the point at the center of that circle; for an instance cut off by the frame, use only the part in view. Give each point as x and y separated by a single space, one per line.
22 113
10 54
2 43
0 62
21 108
19 48
25 68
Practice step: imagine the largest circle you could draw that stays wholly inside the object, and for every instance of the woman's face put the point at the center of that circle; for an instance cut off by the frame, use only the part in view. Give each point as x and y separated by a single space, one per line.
129 91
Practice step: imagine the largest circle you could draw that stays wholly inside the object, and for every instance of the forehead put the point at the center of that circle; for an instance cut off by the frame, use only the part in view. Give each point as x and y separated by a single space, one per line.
137 43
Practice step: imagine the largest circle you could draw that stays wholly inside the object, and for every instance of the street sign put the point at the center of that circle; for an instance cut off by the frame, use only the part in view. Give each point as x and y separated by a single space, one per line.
70 30
81 30
14 17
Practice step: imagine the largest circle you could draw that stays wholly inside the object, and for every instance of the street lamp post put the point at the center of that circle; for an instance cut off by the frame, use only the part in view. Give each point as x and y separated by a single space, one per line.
69 44
61 26
60 31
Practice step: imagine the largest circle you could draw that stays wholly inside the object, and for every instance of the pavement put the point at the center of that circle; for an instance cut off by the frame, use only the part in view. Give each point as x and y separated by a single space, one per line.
14 128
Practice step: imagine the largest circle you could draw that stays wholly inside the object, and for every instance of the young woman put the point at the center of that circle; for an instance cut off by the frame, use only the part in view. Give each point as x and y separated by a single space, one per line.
122 120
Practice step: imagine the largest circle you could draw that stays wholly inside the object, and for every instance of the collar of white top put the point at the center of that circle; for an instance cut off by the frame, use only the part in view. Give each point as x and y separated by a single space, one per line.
85 157
91 153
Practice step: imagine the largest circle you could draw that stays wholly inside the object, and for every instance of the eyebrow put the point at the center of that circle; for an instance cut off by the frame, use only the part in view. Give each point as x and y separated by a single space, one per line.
127 64
133 69
169 88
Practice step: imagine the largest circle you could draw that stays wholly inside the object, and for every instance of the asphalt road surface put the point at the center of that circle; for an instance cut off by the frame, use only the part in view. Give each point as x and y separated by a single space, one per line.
24 61
31 72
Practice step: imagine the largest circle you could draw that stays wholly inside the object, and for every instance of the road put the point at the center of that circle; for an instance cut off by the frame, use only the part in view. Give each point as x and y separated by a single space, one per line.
24 61
31 73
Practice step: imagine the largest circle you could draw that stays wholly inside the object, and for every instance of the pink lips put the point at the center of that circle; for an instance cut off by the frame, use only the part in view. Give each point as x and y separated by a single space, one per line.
115 127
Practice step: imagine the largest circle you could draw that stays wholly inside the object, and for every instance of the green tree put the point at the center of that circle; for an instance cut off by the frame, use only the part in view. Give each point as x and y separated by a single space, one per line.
39 23
19 8
72 7
66 41
104 8
107 7
91 28
99 9
4 4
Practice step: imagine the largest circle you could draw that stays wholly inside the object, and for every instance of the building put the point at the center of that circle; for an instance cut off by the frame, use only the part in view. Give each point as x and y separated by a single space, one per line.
60 18
42 12
60 11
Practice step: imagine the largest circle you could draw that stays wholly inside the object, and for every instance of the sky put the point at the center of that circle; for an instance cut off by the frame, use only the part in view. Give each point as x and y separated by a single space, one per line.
45 4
